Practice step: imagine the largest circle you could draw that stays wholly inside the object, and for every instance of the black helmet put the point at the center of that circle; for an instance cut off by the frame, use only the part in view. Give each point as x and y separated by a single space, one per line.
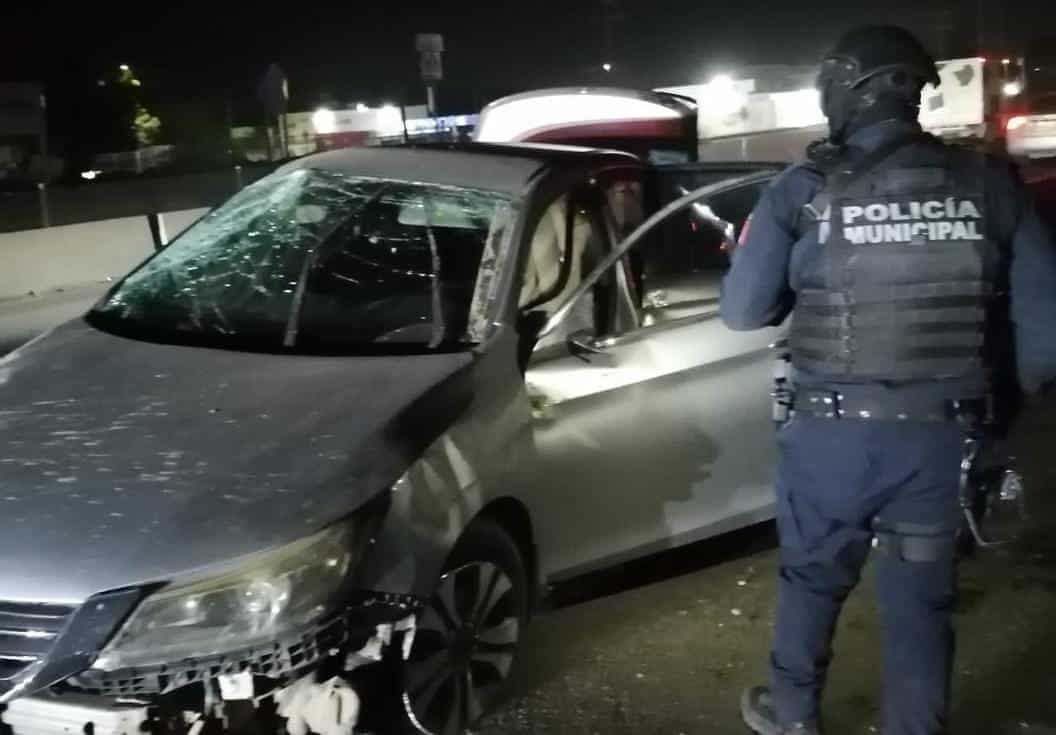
868 62
865 52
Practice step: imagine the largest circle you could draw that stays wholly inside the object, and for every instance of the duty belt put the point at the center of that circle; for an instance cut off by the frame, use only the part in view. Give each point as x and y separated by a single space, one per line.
826 404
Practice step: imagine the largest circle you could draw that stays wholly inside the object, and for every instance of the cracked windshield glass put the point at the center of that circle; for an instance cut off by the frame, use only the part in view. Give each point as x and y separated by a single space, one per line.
316 260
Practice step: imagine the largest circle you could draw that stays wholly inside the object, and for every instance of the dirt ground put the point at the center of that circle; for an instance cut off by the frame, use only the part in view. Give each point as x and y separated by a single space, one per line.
667 644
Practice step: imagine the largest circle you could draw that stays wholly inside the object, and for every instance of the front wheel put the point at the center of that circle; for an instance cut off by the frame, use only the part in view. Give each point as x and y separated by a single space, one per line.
467 636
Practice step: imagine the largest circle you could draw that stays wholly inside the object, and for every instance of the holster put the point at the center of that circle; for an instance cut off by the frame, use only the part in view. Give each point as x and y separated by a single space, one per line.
783 393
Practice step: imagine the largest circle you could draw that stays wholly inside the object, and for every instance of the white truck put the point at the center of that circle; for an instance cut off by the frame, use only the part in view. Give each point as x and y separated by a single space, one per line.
958 107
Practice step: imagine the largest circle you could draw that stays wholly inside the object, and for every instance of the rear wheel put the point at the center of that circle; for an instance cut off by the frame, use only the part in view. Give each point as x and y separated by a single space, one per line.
467 637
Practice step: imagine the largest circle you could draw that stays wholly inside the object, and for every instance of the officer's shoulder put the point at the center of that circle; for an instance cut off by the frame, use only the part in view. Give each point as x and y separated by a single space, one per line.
1001 166
995 166
1000 174
1003 178
800 177
790 191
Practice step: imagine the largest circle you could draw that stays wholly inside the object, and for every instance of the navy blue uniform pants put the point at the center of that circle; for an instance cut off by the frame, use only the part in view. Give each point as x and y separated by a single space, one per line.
838 481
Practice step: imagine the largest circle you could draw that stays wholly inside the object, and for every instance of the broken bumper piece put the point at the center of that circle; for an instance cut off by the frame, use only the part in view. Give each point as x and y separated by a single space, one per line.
282 659
316 678
49 715
277 660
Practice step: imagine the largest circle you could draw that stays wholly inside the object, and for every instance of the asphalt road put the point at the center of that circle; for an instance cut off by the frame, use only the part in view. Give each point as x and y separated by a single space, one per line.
666 645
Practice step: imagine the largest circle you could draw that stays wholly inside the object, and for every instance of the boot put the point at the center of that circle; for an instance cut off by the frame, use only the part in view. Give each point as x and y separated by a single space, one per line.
757 709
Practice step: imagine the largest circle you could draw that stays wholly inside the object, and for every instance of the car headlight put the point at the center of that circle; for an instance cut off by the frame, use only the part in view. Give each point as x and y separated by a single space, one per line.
263 597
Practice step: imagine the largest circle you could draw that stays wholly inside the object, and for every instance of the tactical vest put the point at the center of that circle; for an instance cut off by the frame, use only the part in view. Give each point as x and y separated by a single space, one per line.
907 272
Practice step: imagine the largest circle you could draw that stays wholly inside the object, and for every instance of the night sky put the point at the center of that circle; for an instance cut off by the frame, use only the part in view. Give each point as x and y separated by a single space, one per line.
364 51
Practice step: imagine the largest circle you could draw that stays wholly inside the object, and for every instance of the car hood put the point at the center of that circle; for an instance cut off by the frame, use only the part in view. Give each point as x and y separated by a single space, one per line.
123 462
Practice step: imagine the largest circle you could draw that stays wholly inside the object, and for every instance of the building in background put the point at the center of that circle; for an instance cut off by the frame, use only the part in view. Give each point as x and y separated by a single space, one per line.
329 129
971 101
23 133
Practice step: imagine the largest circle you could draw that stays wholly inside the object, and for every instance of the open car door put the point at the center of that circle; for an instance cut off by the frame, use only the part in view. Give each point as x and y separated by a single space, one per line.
653 420
728 205
671 182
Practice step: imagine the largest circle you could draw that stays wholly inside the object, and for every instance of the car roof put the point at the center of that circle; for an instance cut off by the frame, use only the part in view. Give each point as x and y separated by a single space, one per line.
671 100
506 168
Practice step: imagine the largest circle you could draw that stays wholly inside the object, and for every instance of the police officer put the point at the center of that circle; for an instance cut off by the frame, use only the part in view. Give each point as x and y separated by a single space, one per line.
891 252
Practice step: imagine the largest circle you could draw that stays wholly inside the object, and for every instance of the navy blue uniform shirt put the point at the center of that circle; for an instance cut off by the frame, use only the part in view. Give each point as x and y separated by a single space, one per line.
760 288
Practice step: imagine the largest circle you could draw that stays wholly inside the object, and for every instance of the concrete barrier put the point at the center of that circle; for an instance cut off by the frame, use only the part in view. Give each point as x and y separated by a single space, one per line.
135 196
777 145
174 223
54 258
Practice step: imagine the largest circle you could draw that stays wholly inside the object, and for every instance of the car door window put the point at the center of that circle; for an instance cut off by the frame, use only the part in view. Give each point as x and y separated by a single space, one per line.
564 247
672 273
568 243
625 200
546 252
679 268
735 206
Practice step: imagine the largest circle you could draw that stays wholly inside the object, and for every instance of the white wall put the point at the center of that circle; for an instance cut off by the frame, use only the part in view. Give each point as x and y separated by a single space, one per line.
732 107
173 223
777 145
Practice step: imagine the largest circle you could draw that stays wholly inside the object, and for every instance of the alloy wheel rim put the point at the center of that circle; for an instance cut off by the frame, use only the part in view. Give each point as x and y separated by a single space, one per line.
463 649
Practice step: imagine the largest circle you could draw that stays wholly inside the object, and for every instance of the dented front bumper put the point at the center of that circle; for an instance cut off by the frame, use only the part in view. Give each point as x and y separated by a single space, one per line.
352 647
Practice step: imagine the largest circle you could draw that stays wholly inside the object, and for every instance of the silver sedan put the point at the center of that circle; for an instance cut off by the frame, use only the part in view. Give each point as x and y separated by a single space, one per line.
357 418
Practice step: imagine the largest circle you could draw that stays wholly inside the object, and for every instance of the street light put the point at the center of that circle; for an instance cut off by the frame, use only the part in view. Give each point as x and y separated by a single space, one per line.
1011 89
324 121
123 67
723 96
606 66
389 120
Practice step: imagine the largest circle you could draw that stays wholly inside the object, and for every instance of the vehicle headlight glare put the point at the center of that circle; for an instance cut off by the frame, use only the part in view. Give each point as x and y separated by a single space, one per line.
251 604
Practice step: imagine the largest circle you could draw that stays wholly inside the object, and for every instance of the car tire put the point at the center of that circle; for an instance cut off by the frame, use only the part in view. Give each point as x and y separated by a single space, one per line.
467 637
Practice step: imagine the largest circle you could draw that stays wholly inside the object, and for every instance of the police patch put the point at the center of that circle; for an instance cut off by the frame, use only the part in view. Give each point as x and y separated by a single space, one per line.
911 222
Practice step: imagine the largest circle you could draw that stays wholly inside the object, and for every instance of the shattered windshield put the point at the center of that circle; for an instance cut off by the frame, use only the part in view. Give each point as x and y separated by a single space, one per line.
317 260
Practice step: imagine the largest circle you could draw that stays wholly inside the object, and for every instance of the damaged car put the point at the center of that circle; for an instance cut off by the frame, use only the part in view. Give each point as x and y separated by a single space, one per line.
315 463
